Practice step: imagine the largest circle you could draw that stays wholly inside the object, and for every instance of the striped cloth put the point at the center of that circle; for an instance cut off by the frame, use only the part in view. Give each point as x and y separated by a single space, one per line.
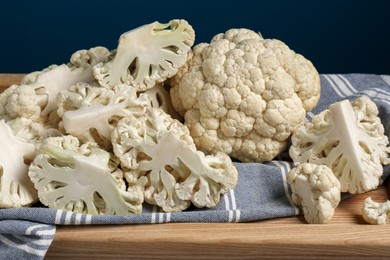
262 191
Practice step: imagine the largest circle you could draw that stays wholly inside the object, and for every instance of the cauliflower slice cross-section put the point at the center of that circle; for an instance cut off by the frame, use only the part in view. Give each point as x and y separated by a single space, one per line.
349 138
16 189
160 149
84 179
147 55
90 113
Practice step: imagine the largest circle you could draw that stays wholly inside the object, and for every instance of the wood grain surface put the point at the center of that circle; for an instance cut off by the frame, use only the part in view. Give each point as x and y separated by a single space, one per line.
346 237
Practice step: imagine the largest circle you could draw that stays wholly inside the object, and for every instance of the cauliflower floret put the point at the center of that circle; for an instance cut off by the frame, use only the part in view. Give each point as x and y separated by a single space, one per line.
317 190
84 179
159 149
242 94
20 139
147 55
349 138
375 212
90 113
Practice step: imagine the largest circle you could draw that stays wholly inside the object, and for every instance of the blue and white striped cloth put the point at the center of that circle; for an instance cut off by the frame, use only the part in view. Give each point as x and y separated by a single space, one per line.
262 191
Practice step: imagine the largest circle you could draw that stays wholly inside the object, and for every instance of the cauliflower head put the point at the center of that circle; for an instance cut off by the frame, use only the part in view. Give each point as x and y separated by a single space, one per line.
82 178
20 138
244 95
147 55
90 112
317 190
160 150
349 138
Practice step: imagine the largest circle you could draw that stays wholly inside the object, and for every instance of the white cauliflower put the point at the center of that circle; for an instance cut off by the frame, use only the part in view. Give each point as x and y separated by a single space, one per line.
90 112
349 138
317 190
82 178
147 55
35 98
244 95
375 213
159 149
20 139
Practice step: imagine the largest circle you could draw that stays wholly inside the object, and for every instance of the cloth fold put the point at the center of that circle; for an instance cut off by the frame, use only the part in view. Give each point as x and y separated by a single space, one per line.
262 191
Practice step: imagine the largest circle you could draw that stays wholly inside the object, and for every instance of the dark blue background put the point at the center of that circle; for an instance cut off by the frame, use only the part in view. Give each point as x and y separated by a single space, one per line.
337 36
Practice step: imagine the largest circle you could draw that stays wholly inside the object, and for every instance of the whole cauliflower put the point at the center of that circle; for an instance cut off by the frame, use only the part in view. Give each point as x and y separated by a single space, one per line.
349 138
244 95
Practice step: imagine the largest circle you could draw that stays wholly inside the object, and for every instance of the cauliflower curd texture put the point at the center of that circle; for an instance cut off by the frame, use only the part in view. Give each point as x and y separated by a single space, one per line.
244 95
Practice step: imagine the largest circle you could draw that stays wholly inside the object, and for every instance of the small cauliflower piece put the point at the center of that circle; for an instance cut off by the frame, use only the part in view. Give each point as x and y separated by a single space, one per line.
317 190
20 138
90 113
82 178
244 95
147 55
159 149
375 213
349 138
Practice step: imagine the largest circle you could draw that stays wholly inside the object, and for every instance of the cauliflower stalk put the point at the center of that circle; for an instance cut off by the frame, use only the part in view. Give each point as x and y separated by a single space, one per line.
84 179
244 95
348 137
147 55
90 113
19 142
317 190
159 149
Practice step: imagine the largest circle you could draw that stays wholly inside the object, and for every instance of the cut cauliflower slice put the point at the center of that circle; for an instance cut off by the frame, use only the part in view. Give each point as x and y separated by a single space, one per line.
20 138
317 190
90 113
147 55
349 138
36 97
159 149
83 179
244 95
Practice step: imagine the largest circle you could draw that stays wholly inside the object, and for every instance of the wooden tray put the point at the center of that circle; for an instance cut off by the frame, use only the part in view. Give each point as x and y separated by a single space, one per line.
347 236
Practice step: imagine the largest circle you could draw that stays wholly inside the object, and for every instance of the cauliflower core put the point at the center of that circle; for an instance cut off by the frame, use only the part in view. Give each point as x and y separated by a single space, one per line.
317 190
244 95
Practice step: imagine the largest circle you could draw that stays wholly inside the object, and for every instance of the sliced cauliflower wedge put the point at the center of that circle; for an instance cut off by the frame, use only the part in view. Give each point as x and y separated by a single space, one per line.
147 55
159 149
317 190
90 112
20 138
349 138
82 178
